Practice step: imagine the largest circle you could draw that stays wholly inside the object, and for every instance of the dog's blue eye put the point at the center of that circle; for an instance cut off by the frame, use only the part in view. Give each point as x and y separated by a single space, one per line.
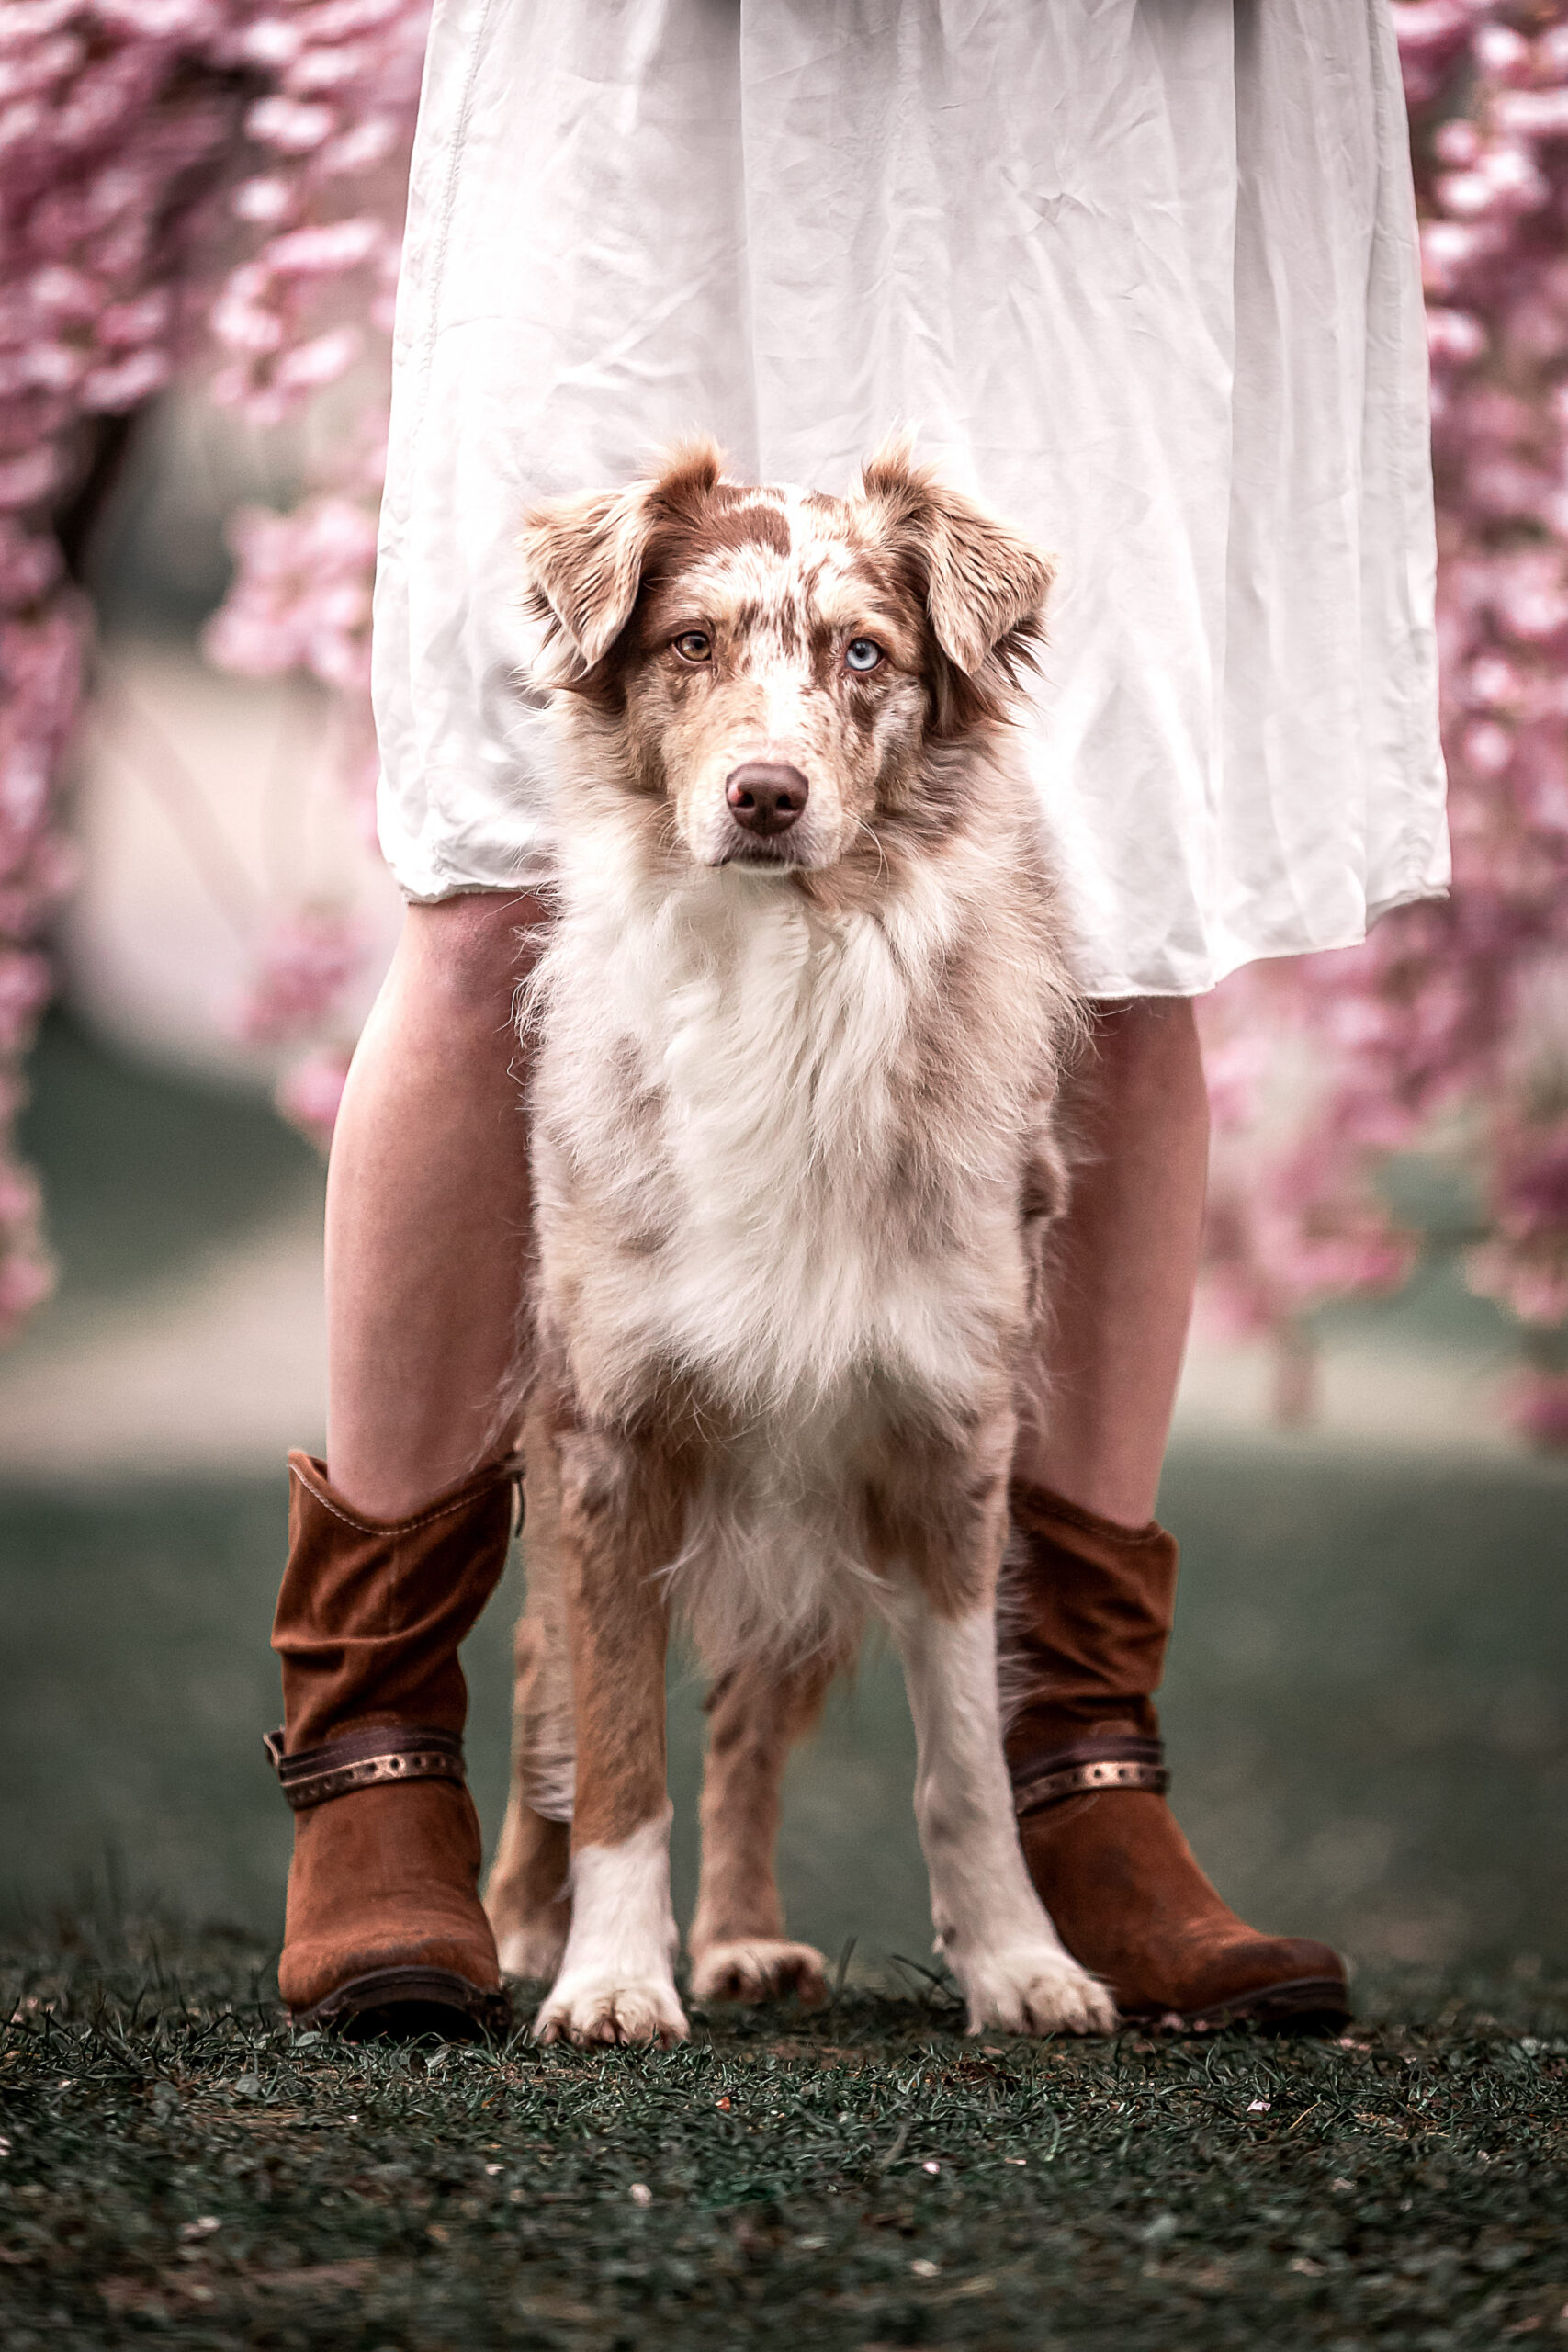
693 645
862 653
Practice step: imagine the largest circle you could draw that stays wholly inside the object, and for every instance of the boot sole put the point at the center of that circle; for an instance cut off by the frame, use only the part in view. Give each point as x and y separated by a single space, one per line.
1309 2004
408 2004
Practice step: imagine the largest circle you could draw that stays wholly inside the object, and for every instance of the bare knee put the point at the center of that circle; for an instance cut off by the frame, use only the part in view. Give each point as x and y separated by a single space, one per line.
467 954
1132 1030
1145 1062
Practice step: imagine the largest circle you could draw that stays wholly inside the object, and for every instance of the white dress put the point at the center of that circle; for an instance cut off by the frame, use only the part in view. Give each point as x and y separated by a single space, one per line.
1142 273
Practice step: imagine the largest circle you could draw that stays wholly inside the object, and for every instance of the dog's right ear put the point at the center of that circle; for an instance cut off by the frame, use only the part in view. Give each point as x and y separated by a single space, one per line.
584 558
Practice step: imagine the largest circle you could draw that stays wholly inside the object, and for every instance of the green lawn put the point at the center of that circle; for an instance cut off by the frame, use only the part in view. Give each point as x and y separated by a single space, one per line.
1369 1730
177 2171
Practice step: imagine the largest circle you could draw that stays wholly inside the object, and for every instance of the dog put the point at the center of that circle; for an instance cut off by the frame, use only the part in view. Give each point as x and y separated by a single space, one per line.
798 1028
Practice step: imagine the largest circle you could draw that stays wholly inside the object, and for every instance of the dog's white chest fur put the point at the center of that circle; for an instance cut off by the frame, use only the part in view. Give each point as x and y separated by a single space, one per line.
771 1052
730 1099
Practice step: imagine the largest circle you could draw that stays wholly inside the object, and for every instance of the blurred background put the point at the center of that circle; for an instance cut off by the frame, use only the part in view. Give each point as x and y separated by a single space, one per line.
1367 1705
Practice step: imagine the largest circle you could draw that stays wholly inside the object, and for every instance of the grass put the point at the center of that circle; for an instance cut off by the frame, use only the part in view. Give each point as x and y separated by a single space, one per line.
1368 1738
179 2171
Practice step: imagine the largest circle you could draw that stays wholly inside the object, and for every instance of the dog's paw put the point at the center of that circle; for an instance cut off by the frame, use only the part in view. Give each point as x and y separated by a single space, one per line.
1034 1988
588 2009
532 1951
760 1969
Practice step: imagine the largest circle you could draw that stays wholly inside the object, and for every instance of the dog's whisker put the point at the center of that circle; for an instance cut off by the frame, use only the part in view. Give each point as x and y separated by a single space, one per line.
875 840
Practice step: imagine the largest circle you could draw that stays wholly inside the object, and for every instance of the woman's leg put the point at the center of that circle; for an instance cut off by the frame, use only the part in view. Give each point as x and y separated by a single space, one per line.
427 1211
1093 1577
395 1550
1124 1261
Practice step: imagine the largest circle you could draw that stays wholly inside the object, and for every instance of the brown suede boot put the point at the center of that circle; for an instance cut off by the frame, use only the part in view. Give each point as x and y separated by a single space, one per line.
1092 1606
385 1933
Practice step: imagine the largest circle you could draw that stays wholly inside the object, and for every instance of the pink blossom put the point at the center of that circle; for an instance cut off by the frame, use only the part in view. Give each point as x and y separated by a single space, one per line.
27 480
311 1092
121 153
1435 1014
360 146
127 384
262 201
146 319
122 147
25 986
1457 141
291 127
271 41
322 361
1454 335
1421 24
1488 748
301 594
1500 51
300 974
1539 1408
1538 114
324 251
26 1279
1533 1288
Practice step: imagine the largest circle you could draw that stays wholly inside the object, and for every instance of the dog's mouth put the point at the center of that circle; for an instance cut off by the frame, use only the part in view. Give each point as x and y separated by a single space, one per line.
781 849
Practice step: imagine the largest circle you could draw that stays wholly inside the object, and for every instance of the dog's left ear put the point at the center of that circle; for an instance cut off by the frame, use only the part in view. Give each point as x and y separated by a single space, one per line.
986 588
584 557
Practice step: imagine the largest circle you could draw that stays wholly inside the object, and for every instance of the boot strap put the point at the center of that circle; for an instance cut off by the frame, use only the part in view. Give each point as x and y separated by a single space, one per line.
362 1759
1112 1763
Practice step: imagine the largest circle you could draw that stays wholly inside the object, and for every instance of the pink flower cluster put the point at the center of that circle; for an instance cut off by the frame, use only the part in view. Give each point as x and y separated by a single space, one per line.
1443 1021
108 142
175 175
311 301
311 1092
304 966
331 134
228 175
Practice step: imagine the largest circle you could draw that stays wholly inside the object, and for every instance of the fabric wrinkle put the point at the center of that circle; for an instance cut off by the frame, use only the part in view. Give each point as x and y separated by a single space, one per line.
1143 279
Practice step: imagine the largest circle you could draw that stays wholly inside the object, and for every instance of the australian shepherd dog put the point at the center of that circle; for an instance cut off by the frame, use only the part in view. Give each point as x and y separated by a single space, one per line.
797 1031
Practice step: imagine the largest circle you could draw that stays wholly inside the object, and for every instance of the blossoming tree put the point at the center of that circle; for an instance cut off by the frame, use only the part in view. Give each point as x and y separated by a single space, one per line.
182 180
217 186
1449 1027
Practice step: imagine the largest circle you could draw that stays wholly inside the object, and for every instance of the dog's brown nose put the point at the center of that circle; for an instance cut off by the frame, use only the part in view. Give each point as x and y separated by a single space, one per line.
765 797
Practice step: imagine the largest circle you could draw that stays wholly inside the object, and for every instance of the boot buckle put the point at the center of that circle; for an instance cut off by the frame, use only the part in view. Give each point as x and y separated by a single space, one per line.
362 1759
1091 1764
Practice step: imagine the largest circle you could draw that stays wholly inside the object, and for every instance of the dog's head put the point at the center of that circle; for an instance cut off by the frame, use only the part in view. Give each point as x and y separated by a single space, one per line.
778 666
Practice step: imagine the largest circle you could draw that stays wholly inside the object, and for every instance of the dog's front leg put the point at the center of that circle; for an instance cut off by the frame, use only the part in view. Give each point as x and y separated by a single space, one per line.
619 1525
991 1925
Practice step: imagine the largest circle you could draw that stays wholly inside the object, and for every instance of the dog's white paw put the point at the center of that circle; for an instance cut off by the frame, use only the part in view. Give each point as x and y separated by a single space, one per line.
760 1969
1034 1988
532 1951
587 2010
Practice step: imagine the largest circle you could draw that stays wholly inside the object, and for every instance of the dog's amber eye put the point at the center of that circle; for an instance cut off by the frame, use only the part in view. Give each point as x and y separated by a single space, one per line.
862 654
694 645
